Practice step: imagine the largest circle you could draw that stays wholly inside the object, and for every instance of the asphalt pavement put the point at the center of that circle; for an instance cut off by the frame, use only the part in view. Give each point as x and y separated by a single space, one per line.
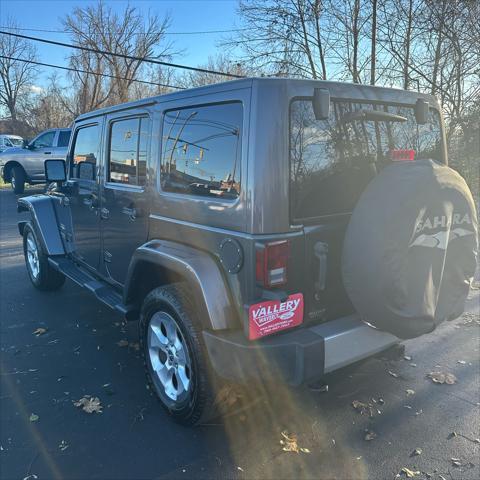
408 421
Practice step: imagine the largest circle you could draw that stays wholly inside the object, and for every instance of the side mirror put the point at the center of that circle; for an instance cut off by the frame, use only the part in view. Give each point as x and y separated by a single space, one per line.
321 103
421 111
25 143
55 170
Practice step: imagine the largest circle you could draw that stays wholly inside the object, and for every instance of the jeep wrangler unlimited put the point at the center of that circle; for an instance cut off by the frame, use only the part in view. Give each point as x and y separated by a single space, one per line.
292 225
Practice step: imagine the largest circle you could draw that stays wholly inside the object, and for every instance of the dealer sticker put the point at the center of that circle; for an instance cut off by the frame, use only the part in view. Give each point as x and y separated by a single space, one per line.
269 317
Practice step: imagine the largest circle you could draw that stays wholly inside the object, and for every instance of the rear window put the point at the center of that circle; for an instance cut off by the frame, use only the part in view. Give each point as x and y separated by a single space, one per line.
332 161
201 150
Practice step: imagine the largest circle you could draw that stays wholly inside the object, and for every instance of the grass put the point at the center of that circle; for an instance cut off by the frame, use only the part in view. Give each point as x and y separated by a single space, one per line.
3 184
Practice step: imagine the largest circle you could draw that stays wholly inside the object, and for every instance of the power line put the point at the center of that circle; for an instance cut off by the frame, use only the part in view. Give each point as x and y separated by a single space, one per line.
121 55
204 32
90 73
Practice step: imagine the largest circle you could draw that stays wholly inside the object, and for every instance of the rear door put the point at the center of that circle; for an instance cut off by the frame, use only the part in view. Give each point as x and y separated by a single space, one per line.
331 163
61 144
125 208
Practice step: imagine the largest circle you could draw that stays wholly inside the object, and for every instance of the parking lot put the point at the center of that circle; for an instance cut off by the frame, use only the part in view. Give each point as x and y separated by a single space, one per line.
408 422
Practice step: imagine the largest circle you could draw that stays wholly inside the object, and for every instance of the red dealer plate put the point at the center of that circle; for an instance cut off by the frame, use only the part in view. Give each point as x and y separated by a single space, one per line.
269 317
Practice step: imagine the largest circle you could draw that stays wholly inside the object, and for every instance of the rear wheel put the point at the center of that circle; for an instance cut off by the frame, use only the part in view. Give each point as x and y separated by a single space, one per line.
175 357
17 179
41 274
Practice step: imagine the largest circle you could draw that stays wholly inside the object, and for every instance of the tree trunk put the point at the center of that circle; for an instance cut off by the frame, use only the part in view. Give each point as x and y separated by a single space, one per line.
373 59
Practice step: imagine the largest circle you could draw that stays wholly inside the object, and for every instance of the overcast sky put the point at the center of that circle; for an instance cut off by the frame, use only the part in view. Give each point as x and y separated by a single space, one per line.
186 16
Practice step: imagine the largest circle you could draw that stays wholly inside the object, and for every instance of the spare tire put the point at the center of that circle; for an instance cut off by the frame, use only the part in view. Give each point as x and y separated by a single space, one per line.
410 248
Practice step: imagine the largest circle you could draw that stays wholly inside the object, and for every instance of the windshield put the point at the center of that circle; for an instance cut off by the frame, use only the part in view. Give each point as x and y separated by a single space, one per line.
333 160
13 142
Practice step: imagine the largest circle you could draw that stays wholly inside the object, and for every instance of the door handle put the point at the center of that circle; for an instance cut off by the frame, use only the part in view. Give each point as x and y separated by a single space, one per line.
104 213
47 153
130 212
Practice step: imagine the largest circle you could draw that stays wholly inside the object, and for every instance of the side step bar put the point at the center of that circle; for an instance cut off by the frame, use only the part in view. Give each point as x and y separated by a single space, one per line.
102 290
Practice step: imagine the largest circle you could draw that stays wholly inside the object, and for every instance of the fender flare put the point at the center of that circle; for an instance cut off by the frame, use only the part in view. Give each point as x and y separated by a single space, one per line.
200 272
44 220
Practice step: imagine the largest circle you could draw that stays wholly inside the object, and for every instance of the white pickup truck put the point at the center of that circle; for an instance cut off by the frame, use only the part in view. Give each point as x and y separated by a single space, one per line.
24 164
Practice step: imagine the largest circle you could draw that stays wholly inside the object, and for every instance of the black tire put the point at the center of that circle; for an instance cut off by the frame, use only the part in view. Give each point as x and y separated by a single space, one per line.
45 278
198 406
17 179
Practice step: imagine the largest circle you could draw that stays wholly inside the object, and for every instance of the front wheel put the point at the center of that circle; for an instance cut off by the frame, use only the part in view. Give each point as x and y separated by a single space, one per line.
41 274
17 179
175 357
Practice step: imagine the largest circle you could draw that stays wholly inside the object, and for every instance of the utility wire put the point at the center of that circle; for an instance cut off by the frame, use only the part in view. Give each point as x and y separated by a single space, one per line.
139 33
121 55
90 73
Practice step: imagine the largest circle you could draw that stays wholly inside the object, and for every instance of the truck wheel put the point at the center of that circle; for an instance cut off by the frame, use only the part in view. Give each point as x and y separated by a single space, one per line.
17 179
41 274
175 357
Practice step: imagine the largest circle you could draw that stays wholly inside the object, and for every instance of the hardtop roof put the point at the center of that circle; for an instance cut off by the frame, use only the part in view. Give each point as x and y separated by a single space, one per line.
338 89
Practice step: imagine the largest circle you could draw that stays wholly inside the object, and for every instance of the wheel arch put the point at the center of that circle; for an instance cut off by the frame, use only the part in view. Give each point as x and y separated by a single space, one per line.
159 263
7 170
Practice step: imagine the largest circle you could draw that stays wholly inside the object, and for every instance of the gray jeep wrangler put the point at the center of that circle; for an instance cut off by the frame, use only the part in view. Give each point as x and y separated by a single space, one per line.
258 226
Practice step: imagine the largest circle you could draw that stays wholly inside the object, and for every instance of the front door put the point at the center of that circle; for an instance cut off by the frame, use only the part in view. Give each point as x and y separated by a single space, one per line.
38 151
124 206
83 192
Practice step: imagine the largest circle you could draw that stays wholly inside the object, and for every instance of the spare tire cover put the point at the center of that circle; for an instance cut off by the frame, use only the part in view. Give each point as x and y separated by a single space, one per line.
410 248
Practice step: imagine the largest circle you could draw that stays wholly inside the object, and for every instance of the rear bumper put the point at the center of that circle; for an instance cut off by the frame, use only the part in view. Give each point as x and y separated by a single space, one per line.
298 356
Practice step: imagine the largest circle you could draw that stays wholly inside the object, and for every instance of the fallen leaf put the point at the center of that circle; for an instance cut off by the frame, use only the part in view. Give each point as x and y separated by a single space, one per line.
369 435
39 331
456 462
407 357
452 435
442 377
393 374
240 468
122 343
409 473
63 445
228 396
34 418
135 346
417 451
289 443
363 408
89 404
413 364
409 392
462 362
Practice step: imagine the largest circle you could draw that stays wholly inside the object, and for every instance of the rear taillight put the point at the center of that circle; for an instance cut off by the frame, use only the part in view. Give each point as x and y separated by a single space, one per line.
402 155
271 263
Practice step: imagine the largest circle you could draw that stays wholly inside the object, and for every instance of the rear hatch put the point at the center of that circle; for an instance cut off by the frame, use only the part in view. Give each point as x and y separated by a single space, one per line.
331 163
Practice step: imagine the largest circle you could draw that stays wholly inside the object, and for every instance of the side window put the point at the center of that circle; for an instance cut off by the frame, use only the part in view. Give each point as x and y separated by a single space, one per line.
201 150
63 138
85 153
128 151
45 140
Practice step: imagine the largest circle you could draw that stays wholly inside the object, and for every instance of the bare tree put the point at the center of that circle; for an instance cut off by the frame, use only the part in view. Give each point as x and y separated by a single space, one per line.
16 77
220 63
100 28
282 37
